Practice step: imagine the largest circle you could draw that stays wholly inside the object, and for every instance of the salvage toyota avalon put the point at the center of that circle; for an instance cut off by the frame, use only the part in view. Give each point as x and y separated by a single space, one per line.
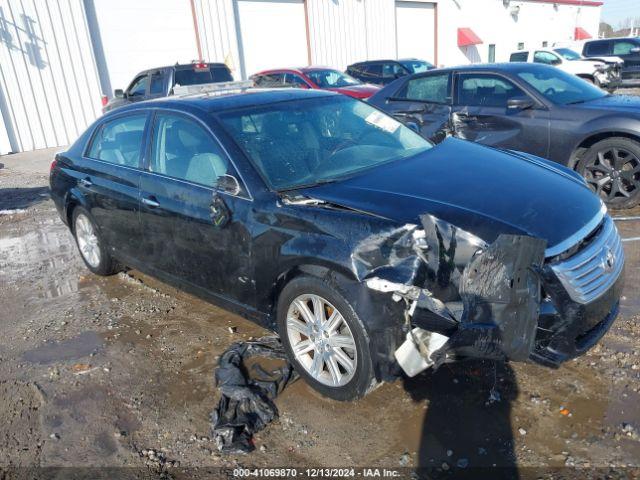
369 250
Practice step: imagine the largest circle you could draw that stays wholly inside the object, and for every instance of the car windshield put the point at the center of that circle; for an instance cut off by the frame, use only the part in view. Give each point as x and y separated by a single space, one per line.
301 143
416 66
560 87
193 76
568 54
331 79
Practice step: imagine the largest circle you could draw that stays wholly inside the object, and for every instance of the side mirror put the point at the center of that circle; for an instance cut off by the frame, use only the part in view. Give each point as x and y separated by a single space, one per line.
413 126
228 184
118 93
520 103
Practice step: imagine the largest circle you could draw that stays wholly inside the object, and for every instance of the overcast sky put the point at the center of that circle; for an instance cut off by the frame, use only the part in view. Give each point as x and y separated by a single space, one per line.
616 11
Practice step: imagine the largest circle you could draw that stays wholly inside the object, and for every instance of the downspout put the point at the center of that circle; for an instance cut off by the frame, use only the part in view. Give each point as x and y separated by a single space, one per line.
195 29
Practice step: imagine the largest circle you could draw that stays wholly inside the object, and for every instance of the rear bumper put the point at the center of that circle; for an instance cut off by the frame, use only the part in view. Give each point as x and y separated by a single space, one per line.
563 336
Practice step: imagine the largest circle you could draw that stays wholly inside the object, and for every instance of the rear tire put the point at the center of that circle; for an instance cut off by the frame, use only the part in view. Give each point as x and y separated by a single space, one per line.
611 167
92 248
332 347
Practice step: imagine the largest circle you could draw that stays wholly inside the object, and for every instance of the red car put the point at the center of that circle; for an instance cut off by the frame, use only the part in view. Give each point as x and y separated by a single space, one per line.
322 78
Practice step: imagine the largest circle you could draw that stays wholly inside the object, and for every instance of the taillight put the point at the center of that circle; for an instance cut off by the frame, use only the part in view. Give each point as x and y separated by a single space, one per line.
105 100
53 165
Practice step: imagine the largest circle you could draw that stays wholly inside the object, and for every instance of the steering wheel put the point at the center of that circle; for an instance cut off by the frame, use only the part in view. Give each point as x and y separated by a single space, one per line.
549 92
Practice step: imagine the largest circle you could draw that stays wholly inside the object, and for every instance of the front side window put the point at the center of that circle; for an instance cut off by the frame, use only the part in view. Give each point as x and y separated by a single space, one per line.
486 90
331 78
317 140
183 149
547 58
568 54
294 81
621 47
561 87
139 86
431 88
119 141
393 70
416 66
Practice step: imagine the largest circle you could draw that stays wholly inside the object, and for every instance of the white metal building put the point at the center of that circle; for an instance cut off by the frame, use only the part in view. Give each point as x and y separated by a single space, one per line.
57 57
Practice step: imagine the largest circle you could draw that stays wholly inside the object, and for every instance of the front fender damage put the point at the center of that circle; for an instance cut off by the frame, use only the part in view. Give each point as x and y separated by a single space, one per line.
462 297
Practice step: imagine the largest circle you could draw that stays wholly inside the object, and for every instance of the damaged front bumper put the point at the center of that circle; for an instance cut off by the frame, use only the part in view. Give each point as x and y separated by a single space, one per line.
466 299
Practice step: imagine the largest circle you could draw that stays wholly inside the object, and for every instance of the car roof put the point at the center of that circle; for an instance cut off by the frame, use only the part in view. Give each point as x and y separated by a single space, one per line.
183 66
375 61
220 101
494 67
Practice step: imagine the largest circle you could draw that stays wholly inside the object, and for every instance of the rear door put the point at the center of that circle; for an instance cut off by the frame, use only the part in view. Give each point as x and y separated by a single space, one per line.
481 114
425 101
109 176
194 232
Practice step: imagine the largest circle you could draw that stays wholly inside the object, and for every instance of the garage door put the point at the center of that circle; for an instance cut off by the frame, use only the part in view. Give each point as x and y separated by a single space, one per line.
272 33
415 30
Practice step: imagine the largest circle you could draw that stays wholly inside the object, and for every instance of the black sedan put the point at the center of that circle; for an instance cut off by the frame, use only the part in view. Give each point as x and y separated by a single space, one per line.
364 246
532 108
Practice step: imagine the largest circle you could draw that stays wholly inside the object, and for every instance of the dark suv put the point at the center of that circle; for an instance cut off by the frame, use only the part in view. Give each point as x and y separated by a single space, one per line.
160 82
382 72
366 247
628 49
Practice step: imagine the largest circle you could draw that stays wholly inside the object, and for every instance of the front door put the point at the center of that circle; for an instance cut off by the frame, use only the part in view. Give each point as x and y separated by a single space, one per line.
426 102
481 114
193 232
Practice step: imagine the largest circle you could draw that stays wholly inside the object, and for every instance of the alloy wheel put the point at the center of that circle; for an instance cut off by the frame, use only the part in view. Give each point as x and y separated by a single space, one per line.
321 340
87 240
613 173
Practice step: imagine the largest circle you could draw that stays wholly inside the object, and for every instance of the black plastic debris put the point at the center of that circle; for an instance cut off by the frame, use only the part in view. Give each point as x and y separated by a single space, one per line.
247 394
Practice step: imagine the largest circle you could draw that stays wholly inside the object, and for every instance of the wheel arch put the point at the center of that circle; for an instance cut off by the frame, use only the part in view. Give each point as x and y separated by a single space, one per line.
594 138
73 200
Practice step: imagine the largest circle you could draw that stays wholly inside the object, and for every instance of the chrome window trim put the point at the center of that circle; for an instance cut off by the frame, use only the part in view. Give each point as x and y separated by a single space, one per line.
199 185
571 240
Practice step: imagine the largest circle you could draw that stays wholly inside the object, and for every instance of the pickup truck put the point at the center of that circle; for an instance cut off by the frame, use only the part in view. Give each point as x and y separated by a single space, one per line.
162 82
603 74
626 49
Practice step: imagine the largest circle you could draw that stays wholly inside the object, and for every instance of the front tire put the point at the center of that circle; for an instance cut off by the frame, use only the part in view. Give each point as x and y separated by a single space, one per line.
92 249
611 167
325 339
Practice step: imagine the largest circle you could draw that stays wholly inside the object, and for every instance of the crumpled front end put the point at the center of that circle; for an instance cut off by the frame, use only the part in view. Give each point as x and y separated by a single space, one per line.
462 297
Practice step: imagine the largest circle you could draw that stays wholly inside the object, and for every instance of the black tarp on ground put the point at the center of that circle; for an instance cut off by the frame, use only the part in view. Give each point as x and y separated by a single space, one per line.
246 402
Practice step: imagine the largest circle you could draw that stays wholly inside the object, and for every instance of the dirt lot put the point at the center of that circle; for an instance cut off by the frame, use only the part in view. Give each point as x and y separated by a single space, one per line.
118 372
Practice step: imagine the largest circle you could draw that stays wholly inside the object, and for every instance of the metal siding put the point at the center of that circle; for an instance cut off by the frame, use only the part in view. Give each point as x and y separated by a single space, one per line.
49 90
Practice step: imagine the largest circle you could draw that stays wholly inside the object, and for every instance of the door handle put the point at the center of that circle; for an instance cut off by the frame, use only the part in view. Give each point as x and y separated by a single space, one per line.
85 182
151 202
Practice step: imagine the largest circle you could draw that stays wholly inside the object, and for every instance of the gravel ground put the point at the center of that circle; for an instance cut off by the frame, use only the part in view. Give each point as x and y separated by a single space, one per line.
118 372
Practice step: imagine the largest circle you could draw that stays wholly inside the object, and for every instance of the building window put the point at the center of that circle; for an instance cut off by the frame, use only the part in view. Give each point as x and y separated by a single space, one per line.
520 45
545 44
492 53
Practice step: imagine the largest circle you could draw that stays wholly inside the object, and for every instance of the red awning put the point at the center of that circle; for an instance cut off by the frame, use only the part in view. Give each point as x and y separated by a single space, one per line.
581 34
467 37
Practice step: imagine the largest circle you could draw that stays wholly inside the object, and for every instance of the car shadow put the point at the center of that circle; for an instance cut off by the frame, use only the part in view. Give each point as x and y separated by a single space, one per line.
21 198
467 425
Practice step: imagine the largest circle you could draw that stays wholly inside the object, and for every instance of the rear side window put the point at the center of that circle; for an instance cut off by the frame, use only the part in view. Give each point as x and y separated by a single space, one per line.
270 80
432 88
486 90
194 76
372 70
119 141
519 57
597 48
183 149
293 80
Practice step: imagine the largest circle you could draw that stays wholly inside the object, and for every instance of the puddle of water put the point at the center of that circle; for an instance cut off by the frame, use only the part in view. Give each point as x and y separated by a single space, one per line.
81 346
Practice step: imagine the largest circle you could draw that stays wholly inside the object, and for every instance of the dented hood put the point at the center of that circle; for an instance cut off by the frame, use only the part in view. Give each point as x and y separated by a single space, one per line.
479 189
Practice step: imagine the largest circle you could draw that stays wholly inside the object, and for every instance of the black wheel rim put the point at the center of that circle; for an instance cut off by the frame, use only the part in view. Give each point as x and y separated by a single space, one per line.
614 174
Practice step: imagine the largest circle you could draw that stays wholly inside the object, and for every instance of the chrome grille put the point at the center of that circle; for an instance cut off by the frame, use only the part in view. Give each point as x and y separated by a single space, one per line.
590 272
